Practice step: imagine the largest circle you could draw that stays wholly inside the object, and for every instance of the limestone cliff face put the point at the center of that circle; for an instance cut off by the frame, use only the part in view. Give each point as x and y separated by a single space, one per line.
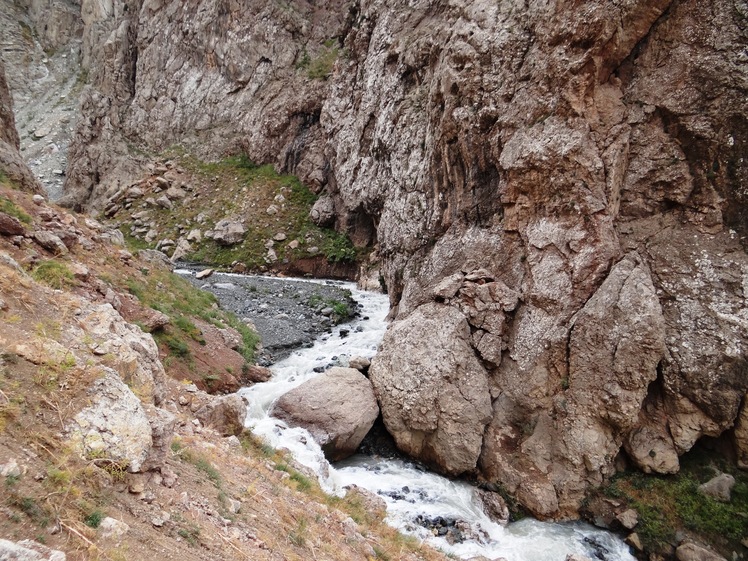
11 163
561 188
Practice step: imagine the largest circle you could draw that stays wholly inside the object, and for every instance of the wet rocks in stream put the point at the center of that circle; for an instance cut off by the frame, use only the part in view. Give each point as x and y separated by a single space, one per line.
287 313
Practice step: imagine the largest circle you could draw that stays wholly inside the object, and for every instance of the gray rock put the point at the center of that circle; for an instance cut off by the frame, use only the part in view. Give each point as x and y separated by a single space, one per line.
28 550
115 426
204 274
719 487
337 407
228 232
111 528
50 242
164 202
323 211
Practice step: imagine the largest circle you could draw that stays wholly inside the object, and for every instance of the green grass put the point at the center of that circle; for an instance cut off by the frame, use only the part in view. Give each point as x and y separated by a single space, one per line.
9 207
93 520
53 273
669 503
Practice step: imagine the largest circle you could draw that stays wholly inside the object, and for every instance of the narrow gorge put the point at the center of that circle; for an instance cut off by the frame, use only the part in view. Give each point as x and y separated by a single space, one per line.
553 196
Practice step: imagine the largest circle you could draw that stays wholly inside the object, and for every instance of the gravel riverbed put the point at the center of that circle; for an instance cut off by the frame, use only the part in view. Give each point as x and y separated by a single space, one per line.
287 313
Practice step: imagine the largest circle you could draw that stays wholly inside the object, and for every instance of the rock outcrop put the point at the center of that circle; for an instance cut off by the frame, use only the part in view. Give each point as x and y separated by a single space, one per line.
556 195
12 165
338 408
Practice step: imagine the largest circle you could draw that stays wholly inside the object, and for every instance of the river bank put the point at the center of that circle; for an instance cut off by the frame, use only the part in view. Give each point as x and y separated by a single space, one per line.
287 313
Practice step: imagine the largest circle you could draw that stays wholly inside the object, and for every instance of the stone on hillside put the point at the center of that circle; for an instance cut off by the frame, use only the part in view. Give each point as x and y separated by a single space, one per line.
204 274
114 237
228 232
635 541
279 237
10 225
156 257
293 244
338 408
195 235
134 193
175 193
689 551
115 426
11 469
225 414
112 528
164 202
272 209
432 387
323 211
28 550
135 352
628 518
183 249
719 487
38 200
50 242
162 432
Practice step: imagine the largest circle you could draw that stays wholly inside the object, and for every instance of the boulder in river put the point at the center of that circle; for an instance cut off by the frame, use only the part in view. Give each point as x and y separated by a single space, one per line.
338 408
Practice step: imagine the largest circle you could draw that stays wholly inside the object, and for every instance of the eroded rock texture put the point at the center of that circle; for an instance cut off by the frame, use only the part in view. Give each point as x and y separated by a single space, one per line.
557 194
12 165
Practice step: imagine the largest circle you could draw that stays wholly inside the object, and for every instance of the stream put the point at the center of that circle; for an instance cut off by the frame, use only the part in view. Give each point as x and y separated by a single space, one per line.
414 496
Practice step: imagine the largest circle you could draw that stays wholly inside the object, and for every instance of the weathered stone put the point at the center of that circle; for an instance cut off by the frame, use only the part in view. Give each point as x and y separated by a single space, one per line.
635 541
338 408
719 487
135 352
182 250
628 518
257 374
228 232
111 528
10 225
359 363
690 551
494 506
50 242
323 211
204 274
225 414
28 550
115 426
431 387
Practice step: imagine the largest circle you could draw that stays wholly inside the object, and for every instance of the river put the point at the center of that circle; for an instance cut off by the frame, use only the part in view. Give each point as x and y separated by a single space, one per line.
411 493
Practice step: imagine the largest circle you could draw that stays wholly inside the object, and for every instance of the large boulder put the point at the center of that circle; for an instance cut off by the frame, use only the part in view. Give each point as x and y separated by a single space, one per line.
338 408
227 232
225 414
432 388
115 426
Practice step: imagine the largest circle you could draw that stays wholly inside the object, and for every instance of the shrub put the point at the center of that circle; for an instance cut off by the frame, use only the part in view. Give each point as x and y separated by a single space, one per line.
53 273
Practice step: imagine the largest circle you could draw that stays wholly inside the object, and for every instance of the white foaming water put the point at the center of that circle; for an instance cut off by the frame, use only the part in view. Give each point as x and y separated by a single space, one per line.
411 493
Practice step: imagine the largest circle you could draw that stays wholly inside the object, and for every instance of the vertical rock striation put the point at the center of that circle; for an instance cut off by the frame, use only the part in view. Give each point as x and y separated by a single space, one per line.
557 195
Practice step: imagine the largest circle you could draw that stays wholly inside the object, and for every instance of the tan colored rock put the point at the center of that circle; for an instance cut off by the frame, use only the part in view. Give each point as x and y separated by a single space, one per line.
225 414
628 518
431 388
29 550
337 407
690 551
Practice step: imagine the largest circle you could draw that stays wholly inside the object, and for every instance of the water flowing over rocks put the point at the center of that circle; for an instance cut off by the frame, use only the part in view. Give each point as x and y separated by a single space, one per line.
338 408
557 196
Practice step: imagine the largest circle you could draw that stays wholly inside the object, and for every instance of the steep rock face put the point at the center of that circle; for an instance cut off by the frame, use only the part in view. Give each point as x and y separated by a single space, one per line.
557 195
11 163
233 77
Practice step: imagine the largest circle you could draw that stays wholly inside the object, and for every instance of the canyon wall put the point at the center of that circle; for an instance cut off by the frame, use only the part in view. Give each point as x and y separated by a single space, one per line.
556 193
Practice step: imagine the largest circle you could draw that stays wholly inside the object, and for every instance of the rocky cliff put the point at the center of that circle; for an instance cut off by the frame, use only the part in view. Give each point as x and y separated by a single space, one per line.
556 193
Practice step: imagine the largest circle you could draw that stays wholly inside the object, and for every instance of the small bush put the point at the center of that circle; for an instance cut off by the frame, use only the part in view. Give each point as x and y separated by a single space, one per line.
93 520
53 273
9 207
